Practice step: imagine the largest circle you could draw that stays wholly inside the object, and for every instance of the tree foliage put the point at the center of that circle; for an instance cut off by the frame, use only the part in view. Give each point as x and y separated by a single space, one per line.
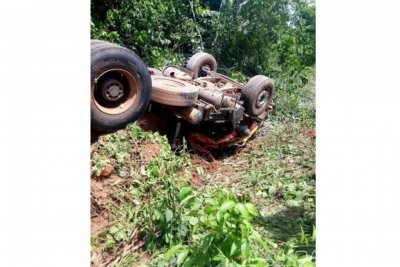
252 35
271 37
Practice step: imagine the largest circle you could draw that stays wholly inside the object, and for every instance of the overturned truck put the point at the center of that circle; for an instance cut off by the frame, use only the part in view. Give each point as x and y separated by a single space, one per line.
207 108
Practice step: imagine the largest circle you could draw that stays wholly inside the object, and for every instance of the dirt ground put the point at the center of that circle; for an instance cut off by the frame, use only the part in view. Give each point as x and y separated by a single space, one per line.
201 168
100 193
226 170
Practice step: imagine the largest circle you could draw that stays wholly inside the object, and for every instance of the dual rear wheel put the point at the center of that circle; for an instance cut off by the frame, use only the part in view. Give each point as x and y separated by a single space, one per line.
120 86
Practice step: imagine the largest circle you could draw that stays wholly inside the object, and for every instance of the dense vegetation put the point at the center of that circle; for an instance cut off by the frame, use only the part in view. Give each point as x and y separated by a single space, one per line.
256 208
274 37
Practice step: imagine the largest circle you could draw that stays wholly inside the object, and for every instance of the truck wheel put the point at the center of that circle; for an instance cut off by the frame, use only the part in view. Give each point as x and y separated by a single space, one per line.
173 92
257 94
95 41
120 86
199 60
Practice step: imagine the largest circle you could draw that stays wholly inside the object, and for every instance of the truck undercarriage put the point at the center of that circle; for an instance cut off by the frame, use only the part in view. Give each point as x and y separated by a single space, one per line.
194 103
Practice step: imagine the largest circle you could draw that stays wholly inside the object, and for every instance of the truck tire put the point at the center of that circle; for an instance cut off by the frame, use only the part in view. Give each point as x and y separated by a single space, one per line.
257 94
95 41
199 60
173 92
120 86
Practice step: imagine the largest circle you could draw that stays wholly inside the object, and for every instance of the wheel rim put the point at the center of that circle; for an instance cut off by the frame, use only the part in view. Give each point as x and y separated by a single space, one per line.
115 91
202 72
262 99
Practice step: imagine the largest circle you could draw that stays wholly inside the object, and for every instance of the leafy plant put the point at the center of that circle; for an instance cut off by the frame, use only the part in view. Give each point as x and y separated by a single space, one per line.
99 163
220 231
298 252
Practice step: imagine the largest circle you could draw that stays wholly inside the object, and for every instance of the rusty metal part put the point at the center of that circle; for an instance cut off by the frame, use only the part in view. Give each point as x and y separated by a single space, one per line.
223 77
176 139
112 90
253 128
234 138
174 72
265 114
227 87
217 84
212 97
115 91
207 78
205 83
217 98
186 71
207 142
236 115
190 114
262 99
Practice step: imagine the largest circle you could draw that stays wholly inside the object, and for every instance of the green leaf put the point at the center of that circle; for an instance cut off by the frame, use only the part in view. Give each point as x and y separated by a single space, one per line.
184 192
113 230
305 259
182 230
256 262
228 204
251 209
182 256
218 216
206 242
308 264
210 209
314 233
171 252
233 248
265 242
120 156
120 235
271 189
168 215
242 209
110 242
245 248
189 262
256 236
293 203
187 199
193 220
219 257
157 214
200 170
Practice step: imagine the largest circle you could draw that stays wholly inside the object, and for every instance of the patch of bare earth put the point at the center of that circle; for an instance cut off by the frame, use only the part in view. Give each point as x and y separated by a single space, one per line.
226 171
311 133
150 151
100 195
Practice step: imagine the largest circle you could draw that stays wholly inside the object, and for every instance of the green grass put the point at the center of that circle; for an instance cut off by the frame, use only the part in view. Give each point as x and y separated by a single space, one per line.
277 175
